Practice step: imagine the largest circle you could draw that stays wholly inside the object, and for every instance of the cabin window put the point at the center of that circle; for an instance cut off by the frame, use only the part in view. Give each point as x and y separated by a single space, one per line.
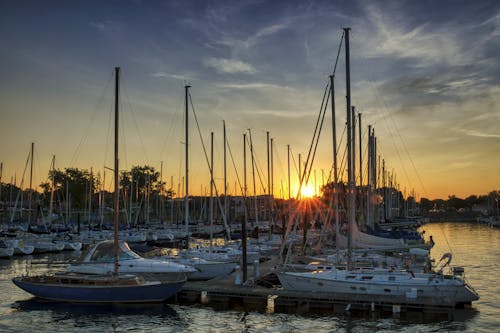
353 288
350 277
387 290
366 277
362 288
392 278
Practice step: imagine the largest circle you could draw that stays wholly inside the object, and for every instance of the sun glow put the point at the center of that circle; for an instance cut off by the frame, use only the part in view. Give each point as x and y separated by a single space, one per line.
307 191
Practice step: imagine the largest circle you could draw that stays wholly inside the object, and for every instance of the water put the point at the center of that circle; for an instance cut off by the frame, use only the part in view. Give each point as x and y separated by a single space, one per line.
475 247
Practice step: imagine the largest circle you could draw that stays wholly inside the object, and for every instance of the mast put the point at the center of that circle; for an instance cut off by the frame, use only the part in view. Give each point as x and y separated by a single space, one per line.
172 199
226 210
360 153
91 182
52 175
350 160
268 173
353 143
211 216
335 169
289 191
369 179
131 199
30 193
271 199
116 170
244 220
186 196
103 187
253 178
161 193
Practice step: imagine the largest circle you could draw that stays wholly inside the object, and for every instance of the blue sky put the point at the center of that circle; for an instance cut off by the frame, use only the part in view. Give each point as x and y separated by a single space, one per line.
425 74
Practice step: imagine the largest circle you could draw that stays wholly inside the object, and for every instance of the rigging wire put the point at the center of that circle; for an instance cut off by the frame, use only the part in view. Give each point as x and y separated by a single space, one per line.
134 119
209 165
86 132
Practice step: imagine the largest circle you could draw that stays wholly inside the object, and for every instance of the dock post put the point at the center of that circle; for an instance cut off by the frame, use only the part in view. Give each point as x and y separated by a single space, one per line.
237 279
270 303
256 270
204 297
396 310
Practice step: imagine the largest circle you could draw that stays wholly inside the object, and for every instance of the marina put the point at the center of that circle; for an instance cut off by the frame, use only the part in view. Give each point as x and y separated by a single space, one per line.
271 306
249 167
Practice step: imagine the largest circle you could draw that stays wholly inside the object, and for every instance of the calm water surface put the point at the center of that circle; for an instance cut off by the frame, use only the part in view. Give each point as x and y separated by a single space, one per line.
476 247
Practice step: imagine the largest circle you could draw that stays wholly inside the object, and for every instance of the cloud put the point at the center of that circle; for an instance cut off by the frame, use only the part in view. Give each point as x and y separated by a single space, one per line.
103 26
251 85
230 66
479 134
383 35
172 76
238 46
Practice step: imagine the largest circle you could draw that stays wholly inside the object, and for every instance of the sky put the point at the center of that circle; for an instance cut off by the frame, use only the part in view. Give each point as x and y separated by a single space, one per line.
424 74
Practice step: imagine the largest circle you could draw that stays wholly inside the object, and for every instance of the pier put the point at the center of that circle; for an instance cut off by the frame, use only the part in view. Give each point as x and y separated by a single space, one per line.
261 294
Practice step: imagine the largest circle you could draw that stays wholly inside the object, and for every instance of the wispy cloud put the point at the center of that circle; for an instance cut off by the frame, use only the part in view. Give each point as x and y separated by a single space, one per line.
172 76
104 26
479 134
230 66
251 85
238 45
385 35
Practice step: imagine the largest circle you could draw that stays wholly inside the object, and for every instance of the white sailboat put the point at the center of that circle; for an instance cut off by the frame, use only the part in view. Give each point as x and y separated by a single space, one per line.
435 288
99 260
103 288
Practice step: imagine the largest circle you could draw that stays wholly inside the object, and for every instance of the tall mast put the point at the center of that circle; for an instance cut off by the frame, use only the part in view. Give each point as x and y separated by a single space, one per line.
360 153
225 170
116 170
335 170
186 196
268 172
353 143
272 183
253 178
161 192
211 207
30 193
244 220
369 179
349 152
289 190
91 182
52 172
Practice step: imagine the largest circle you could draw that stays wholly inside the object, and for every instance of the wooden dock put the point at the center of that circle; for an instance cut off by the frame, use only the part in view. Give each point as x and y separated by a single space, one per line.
253 296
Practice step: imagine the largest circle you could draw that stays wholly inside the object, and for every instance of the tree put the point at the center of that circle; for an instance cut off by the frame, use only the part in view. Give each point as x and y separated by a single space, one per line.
145 179
74 181
426 205
456 203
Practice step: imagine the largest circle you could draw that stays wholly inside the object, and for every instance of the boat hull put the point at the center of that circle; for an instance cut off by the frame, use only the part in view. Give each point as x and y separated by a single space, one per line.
143 293
438 292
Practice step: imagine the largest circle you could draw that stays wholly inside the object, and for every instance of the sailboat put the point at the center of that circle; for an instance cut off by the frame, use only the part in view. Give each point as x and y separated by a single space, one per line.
207 267
102 288
433 288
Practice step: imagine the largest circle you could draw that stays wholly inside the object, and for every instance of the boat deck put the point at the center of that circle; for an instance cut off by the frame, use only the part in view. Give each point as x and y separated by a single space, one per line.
266 295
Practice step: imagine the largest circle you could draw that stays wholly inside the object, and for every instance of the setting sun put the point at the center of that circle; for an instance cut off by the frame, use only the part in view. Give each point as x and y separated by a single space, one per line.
307 191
